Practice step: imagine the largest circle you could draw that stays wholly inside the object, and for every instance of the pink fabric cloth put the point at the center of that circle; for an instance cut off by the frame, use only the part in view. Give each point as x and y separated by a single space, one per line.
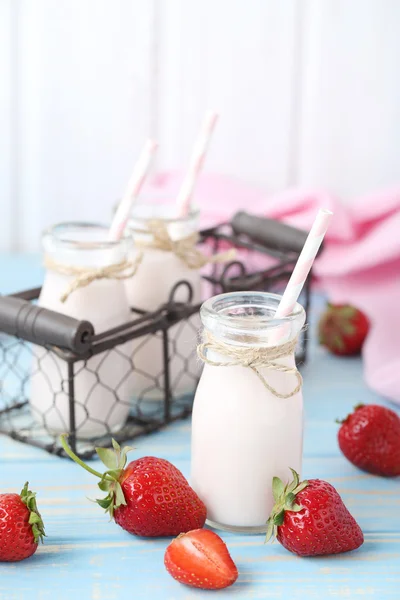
360 263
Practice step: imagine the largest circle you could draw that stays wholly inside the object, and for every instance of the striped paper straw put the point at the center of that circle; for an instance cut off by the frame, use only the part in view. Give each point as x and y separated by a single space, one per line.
304 264
135 183
184 196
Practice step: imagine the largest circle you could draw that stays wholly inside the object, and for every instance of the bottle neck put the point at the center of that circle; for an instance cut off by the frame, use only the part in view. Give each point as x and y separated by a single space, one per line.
269 365
267 337
247 319
145 217
84 246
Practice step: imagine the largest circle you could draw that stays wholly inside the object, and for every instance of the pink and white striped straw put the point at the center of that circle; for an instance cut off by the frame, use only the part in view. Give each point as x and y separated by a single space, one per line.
135 183
184 196
304 264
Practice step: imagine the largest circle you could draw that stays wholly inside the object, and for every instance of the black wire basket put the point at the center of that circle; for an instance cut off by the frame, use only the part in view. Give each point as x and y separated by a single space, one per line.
35 341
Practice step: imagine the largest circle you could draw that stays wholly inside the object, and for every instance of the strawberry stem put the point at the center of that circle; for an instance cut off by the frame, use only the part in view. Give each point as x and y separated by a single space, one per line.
115 461
75 458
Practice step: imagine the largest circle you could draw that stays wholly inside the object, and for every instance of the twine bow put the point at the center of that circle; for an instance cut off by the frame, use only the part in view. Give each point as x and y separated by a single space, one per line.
254 359
185 249
83 276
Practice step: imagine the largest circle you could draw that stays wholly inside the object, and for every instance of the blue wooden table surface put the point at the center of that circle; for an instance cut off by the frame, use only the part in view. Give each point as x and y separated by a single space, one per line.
87 557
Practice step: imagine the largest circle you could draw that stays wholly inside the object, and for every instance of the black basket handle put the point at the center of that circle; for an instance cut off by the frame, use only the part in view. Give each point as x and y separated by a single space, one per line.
270 233
43 326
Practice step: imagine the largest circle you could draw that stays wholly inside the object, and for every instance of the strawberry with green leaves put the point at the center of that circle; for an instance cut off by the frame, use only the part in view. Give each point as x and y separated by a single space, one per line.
310 519
370 439
21 526
343 329
148 497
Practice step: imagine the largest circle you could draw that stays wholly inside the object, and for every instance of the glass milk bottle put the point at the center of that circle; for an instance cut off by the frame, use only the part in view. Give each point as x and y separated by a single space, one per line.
159 271
248 411
101 396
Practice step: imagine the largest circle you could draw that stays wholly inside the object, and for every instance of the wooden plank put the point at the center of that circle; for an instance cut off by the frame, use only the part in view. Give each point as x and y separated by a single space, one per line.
84 82
239 58
350 103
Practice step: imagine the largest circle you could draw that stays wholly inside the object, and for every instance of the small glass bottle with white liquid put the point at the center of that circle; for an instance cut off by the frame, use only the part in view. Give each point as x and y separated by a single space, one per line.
75 254
247 424
154 226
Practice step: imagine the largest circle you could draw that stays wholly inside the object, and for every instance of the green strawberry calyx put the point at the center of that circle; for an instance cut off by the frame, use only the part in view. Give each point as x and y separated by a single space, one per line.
357 407
285 499
115 460
35 519
336 323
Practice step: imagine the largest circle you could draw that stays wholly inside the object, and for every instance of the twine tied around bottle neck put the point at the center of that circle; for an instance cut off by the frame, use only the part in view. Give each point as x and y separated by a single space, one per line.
254 359
83 276
185 248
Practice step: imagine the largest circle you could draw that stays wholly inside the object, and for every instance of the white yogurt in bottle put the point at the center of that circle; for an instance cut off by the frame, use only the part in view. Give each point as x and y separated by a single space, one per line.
101 394
243 431
151 287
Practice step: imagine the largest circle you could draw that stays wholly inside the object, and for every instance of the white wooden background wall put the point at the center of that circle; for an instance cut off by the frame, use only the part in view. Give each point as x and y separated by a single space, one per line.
308 90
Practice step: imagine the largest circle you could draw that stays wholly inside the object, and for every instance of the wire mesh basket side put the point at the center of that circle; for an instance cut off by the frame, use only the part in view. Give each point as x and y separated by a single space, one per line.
127 381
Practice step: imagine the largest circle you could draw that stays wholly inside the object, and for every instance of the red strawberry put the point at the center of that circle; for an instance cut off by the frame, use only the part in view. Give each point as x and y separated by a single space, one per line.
21 526
370 439
149 497
343 329
310 519
200 559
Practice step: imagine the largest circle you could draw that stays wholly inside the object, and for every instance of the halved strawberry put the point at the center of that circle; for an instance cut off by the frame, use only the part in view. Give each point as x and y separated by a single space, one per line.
200 559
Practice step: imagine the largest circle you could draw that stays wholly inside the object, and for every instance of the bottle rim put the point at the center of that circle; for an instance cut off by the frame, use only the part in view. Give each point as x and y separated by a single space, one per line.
141 214
71 235
247 311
